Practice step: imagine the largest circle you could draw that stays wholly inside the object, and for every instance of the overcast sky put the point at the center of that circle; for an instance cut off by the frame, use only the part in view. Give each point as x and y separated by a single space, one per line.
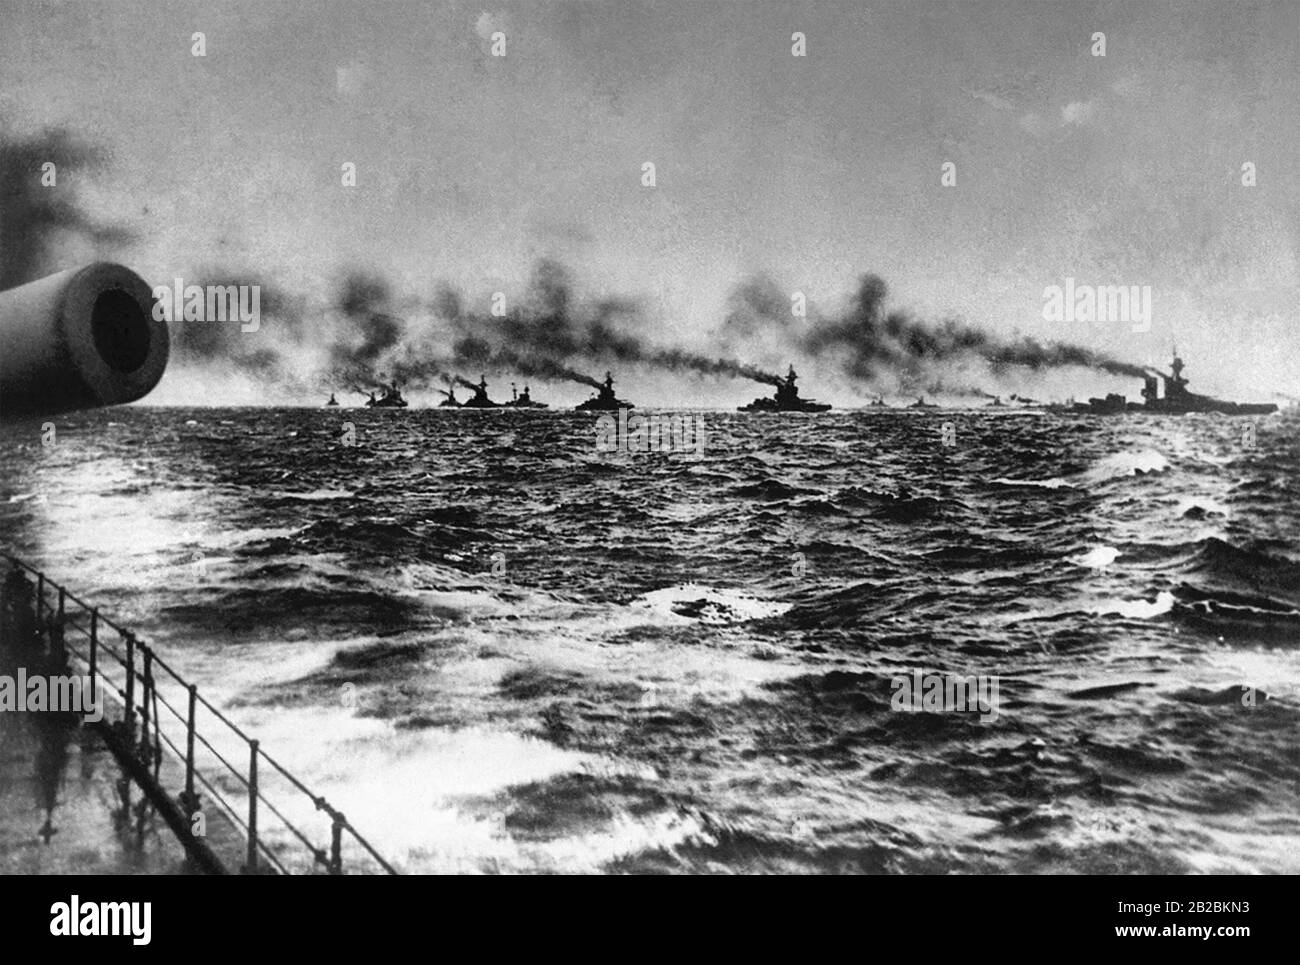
1123 169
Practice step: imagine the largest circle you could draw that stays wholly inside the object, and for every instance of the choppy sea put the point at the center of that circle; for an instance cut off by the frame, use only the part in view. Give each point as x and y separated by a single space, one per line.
497 648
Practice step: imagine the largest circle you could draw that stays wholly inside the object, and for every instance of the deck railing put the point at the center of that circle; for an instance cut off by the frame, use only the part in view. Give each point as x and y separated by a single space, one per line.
137 668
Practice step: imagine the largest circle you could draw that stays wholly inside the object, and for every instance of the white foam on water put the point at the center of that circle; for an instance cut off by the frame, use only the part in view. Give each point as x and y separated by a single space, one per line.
1056 482
1097 558
1134 462
1138 609
719 605
1137 462
314 495
1273 670
422 797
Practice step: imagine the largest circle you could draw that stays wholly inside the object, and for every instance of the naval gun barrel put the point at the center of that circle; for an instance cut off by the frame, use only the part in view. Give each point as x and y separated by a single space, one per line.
80 339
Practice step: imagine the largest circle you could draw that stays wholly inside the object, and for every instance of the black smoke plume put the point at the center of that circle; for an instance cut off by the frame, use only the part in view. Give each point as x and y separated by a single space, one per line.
550 334
873 344
552 328
873 339
539 367
364 301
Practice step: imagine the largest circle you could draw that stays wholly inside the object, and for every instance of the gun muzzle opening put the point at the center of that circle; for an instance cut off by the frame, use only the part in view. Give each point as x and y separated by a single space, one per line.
120 331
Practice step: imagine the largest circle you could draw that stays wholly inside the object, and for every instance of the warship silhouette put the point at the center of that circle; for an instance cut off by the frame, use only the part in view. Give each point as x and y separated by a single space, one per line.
604 400
391 398
451 401
920 403
1175 401
524 401
786 399
480 398
332 401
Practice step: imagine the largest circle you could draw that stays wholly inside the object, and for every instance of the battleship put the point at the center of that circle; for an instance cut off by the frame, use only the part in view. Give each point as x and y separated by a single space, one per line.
332 401
390 398
522 400
605 400
479 400
786 399
450 402
1177 400
920 403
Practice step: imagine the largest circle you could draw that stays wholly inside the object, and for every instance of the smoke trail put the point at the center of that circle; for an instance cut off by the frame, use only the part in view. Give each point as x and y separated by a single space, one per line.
676 360
870 342
552 334
538 367
270 356
548 335
552 328
363 300
1031 354
362 337
415 368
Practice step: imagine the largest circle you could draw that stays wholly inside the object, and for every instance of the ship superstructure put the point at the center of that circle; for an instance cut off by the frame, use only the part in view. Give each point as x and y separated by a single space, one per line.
604 400
1176 400
786 398
390 397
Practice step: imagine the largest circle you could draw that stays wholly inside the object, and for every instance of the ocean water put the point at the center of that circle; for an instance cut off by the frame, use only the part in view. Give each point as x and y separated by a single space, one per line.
496 648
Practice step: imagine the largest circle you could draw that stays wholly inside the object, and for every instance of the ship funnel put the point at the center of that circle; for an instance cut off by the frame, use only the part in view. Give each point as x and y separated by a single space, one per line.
83 338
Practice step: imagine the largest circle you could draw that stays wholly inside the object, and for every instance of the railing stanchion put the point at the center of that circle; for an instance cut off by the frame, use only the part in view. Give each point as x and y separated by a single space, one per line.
252 808
190 800
129 719
94 640
336 847
147 680
189 744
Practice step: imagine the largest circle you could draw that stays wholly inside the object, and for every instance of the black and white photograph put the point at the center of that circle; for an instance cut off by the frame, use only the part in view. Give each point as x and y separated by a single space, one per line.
643 438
